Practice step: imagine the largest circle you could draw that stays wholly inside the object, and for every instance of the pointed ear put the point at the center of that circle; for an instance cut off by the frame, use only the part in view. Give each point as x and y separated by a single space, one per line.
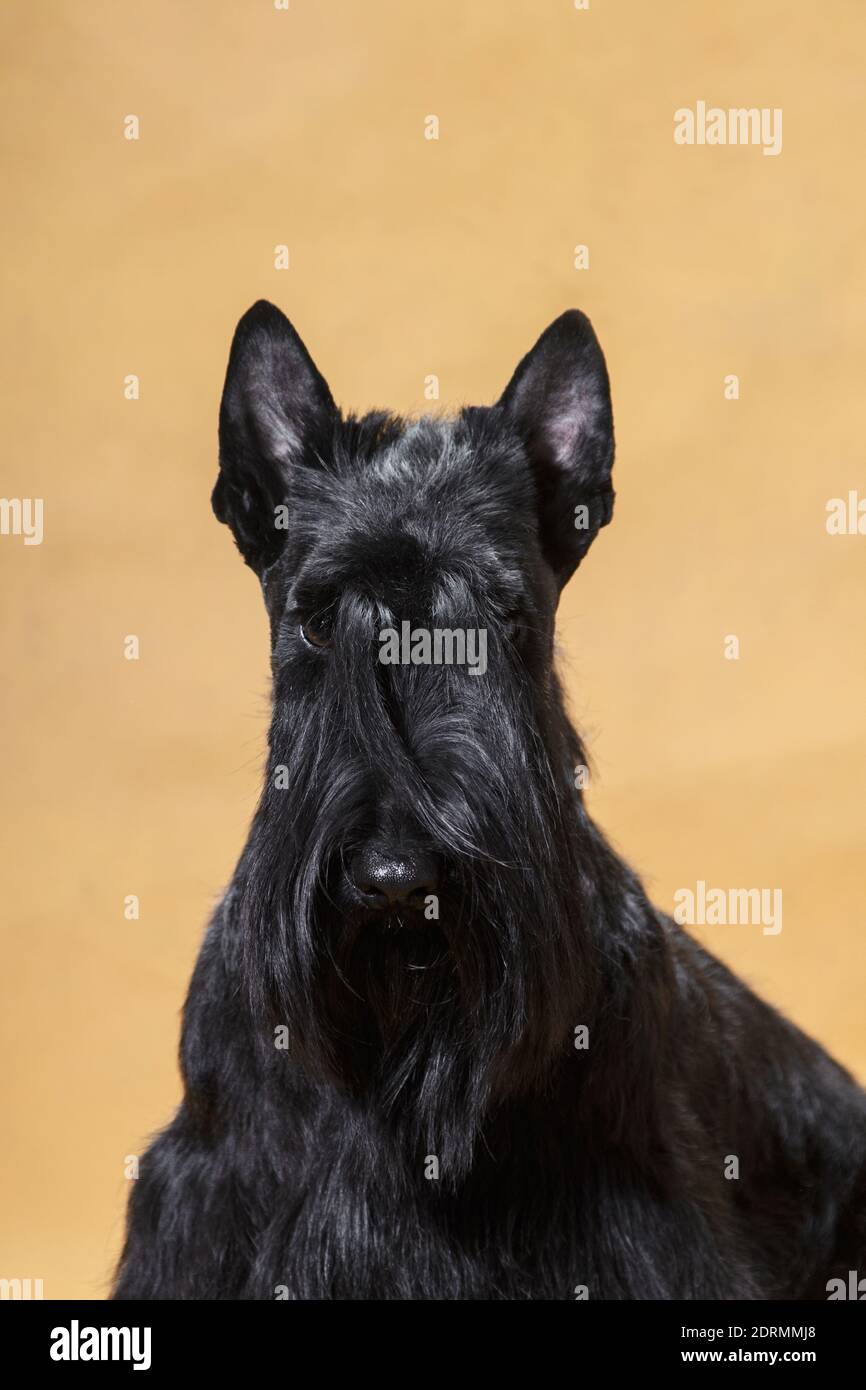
276 414
559 402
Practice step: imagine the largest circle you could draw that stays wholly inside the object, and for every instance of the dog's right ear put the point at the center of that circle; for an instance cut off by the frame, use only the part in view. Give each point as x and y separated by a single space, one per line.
559 401
276 413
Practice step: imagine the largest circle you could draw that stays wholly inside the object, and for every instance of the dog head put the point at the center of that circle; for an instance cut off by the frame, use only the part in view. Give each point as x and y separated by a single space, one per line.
410 899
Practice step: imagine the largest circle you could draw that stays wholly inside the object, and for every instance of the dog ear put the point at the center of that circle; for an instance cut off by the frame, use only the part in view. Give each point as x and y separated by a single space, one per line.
276 412
559 401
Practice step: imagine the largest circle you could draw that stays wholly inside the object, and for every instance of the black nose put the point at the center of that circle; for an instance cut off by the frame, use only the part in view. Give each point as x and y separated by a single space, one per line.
386 880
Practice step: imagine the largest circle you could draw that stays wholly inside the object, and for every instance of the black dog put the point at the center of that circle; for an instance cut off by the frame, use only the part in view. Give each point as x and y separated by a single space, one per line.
438 1043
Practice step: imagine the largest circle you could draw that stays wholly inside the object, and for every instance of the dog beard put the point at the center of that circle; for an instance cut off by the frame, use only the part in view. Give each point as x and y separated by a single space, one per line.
427 1024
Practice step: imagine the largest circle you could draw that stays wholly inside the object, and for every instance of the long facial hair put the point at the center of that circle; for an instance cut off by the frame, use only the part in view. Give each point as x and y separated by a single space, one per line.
426 1023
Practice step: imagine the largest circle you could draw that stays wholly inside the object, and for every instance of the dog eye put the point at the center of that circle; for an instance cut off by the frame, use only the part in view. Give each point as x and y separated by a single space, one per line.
318 631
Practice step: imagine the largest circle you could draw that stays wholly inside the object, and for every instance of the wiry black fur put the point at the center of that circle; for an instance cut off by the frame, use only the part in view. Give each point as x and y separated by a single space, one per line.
301 1174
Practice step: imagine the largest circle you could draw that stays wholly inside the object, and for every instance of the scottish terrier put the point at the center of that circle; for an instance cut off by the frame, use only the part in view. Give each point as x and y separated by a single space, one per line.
438 1043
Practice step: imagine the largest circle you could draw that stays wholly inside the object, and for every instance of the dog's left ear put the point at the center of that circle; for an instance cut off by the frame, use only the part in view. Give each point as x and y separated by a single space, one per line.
559 402
276 414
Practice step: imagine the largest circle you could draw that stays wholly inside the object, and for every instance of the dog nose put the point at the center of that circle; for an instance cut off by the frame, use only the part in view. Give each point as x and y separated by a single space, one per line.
386 880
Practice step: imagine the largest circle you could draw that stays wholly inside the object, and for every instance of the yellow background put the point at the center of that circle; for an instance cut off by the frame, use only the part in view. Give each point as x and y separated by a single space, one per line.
411 257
